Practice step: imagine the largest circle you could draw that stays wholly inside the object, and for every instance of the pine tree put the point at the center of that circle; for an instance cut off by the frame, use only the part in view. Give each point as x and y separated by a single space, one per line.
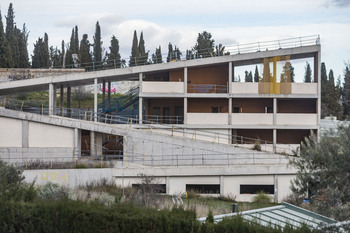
134 51
157 56
308 73
205 45
85 57
114 55
5 49
256 75
10 35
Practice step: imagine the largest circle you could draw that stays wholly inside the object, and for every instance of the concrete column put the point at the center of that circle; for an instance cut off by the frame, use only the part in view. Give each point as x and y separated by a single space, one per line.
274 132
69 93
51 98
61 97
140 110
185 80
98 146
185 111
274 124
140 82
318 68
229 93
92 144
167 184
109 91
95 99
103 90
25 134
276 187
77 153
222 190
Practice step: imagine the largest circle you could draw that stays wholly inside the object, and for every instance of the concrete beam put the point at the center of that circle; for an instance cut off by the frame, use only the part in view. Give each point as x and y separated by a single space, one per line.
25 134
95 99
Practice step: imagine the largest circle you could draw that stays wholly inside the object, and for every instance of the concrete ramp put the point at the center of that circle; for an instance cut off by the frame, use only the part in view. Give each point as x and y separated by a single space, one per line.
141 146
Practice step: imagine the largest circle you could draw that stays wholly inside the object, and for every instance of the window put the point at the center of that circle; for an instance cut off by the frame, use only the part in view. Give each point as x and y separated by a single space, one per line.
254 189
203 188
214 109
236 110
157 188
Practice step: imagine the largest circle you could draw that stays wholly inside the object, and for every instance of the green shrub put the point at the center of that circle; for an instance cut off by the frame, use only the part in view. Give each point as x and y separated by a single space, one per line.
262 198
81 166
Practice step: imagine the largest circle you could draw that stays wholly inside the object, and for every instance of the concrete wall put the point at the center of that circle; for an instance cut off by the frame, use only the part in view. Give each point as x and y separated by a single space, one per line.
11 74
253 88
68 177
296 119
207 118
23 141
252 118
163 87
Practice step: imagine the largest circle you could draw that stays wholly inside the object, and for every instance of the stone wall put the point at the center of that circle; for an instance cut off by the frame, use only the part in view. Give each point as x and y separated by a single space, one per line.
12 74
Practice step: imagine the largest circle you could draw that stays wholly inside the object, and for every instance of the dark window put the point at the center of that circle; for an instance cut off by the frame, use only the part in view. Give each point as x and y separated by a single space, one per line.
236 110
166 115
214 109
254 189
203 188
156 188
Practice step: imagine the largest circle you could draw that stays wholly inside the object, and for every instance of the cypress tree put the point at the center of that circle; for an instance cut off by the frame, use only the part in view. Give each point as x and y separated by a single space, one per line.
114 55
5 49
142 51
76 41
41 56
134 51
63 54
22 41
157 56
170 56
85 57
248 76
10 35
55 57
70 50
346 91
308 73
256 75
97 44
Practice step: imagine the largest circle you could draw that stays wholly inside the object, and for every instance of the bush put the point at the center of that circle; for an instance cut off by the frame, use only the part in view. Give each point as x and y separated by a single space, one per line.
262 198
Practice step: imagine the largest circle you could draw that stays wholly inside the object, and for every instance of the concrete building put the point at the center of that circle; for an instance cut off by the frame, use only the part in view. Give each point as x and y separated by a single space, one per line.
193 125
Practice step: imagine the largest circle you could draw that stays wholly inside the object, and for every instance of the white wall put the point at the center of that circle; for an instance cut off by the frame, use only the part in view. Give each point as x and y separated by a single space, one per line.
245 88
207 118
252 118
10 132
42 135
296 119
163 87
304 88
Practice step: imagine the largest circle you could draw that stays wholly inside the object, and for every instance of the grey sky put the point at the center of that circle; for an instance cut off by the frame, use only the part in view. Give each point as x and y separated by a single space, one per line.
179 21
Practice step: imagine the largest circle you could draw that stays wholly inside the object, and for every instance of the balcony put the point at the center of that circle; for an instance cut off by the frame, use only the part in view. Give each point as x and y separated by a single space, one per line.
296 119
163 87
253 88
207 118
252 119
206 88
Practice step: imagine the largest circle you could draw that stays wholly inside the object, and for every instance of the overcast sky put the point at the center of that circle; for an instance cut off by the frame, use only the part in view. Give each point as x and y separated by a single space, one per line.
180 21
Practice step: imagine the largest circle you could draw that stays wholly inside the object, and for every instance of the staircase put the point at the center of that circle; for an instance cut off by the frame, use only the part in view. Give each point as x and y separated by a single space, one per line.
120 103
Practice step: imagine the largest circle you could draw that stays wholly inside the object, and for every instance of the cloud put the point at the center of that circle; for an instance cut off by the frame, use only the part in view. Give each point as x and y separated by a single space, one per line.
341 3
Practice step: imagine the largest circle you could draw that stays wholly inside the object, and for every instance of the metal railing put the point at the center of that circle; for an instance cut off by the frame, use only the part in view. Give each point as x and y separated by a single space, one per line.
207 88
197 54
169 129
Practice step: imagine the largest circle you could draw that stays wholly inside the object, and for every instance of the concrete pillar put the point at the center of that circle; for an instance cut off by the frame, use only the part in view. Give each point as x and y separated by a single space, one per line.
61 97
103 90
92 144
274 140
222 190
77 143
25 134
229 93
185 111
52 99
95 99
167 184
109 91
274 124
69 93
140 110
185 80
275 188
318 69
98 144
140 98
